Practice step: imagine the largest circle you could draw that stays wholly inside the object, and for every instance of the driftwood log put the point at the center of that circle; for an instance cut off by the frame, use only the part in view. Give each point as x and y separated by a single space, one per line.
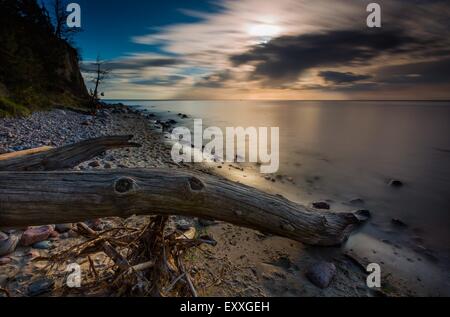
38 198
65 157
13 155
33 192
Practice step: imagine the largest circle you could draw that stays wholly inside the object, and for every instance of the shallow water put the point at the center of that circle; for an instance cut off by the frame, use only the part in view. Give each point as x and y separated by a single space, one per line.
339 151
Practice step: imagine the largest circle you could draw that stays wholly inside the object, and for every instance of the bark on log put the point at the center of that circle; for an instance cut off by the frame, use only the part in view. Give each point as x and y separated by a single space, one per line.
66 157
39 198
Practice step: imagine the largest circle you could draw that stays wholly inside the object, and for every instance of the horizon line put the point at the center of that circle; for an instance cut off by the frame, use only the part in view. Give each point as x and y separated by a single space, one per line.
303 100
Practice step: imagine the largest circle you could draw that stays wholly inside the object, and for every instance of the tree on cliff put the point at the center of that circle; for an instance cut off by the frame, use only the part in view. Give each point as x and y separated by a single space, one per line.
97 73
60 15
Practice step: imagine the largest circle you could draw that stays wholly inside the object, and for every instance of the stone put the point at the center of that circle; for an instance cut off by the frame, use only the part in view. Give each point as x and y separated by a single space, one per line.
5 261
64 227
8 244
54 235
399 223
40 287
206 222
363 215
36 234
321 205
396 183
43 245
94 164
72 234
86 123
94 224
3 280
183 224
357 201
321 274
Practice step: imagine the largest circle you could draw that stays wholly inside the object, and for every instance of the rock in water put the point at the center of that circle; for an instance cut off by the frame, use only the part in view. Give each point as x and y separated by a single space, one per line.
396 183
40 287
322 274
36 234
357 201
399 223
321 205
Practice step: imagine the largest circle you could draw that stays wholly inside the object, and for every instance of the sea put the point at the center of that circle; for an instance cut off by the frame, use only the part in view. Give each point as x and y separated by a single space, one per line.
346 153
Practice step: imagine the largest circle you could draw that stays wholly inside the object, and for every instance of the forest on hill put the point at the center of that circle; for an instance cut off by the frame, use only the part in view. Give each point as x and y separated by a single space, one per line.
38 68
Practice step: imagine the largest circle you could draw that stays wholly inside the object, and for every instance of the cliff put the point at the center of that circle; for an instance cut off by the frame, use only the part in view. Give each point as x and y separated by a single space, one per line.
37 69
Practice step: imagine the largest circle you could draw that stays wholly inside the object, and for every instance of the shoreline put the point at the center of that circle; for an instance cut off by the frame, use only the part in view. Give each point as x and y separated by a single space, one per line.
250 263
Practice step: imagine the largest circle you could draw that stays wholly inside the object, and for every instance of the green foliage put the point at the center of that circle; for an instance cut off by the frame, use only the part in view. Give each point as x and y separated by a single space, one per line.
9 108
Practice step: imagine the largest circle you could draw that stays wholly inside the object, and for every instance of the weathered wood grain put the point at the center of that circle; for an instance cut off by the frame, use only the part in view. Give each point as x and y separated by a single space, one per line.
38 198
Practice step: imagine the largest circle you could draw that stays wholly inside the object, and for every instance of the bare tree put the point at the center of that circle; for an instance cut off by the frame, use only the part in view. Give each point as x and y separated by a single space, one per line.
98 73
62 31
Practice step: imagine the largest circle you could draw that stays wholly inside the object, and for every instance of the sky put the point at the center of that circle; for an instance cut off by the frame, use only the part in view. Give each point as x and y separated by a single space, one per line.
265 49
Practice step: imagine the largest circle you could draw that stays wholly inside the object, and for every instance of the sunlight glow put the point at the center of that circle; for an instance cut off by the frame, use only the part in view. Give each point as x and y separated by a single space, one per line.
264 30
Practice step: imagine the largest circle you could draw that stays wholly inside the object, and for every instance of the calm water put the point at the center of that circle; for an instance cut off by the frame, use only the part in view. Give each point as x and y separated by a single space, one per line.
345 150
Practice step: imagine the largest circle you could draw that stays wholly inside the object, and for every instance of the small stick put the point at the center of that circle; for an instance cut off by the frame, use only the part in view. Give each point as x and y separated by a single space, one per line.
188 278
91 263
4 290
143 266
174 282
108 249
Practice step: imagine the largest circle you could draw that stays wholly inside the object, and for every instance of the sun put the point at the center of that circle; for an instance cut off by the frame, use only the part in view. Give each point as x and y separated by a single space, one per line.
264 31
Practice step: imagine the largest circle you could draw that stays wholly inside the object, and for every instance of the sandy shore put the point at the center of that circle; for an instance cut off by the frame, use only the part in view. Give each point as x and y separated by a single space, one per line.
244 263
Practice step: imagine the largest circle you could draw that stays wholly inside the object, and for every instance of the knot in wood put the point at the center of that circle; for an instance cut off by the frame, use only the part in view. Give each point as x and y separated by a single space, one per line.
124 185
196 184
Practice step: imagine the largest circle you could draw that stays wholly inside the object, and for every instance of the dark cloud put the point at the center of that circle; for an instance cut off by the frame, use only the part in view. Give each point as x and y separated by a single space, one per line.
216 80
163 81
283 59
432 72
129 64
342 78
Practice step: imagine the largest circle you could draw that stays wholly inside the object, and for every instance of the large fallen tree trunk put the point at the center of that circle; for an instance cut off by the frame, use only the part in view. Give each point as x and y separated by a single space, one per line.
65 157
38 198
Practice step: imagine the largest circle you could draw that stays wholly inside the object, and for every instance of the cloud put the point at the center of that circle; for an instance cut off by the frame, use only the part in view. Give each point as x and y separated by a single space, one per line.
134 62
433 72
284 59
290 49
342 78
158 81
216 80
